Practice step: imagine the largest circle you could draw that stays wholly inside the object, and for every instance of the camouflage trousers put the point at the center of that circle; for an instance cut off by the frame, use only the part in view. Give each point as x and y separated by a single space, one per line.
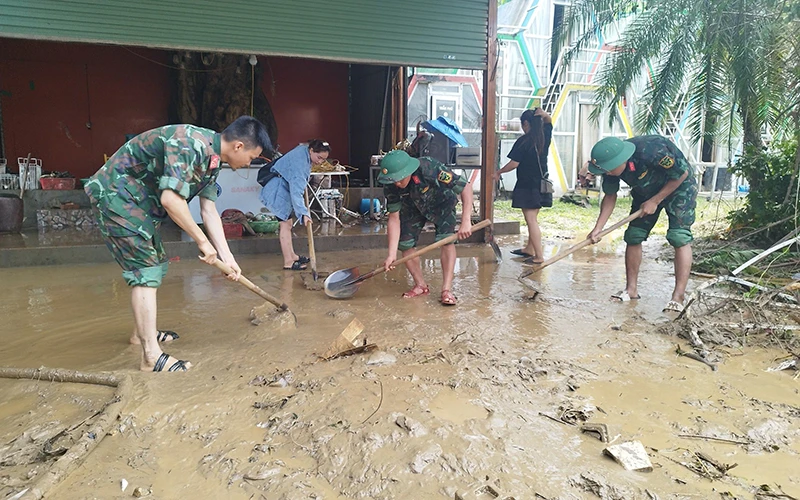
143 261
412 220
680 208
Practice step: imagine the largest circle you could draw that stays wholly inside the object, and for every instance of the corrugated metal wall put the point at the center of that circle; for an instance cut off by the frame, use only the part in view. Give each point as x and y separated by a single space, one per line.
430 33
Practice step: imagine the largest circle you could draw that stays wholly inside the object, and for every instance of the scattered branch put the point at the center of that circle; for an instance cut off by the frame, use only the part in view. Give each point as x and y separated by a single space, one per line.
712 438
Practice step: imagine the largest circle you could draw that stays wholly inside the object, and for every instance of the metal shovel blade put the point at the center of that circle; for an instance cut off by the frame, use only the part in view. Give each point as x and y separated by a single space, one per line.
498 255
339 284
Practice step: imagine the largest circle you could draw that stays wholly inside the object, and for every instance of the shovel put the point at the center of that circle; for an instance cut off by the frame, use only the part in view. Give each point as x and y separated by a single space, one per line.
311 253
225 268
343 284
575 248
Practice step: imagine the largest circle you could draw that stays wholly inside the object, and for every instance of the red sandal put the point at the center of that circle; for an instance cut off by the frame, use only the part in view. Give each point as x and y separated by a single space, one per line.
448 299
417 291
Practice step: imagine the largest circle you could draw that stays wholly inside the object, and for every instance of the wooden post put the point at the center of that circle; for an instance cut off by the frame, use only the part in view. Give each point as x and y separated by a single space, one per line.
399 104
489 147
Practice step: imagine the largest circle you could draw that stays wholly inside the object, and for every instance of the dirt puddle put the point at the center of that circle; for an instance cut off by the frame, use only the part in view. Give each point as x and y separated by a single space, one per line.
469 399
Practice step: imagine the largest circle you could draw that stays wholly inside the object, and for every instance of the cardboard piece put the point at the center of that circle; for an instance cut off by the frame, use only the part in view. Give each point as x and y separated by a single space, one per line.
345 340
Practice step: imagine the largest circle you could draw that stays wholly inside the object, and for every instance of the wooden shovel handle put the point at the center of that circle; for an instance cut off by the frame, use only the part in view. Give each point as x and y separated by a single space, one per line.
433 246
584 243
312 254
225 268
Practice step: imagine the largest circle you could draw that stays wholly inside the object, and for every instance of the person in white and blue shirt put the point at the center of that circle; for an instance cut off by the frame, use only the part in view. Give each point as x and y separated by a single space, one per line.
283 194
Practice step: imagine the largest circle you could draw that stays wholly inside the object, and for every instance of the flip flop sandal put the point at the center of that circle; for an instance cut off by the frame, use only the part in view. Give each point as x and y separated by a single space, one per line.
166 336
521 252
296 266
448 299
623 296
303 259
178 366
530 260
673 306
417 291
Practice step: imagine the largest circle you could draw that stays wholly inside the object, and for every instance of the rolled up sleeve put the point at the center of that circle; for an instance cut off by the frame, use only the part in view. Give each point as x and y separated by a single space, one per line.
210 191
178 170
393 202
610 184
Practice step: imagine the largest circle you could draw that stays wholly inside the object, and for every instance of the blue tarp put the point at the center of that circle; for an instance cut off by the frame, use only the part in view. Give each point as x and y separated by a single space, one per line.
449 128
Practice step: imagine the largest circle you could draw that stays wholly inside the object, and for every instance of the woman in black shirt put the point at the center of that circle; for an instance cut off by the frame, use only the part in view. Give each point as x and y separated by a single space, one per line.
529 158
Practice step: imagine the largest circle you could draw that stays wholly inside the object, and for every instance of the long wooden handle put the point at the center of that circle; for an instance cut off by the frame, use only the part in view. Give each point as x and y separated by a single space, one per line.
433 246
586 242
225 268
311 252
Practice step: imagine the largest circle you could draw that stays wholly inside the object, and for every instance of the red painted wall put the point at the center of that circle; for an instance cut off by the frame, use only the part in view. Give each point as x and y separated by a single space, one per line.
310 101
71 103
50 91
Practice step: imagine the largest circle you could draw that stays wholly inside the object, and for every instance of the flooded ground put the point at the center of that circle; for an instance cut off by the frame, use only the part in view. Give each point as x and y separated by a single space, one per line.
453 400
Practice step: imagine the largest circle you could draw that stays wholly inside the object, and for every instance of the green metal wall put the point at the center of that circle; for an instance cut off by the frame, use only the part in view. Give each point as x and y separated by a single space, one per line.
432 33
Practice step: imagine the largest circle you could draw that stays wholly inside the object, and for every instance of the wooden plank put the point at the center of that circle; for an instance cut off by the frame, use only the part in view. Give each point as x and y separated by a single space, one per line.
489 147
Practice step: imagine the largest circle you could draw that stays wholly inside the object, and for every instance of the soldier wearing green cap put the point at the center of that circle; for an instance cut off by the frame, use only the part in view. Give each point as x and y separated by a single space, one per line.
418 190
660 179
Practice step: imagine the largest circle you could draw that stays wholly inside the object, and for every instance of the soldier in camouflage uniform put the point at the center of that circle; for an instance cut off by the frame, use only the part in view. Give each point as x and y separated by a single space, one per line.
660 179
152 177
417 191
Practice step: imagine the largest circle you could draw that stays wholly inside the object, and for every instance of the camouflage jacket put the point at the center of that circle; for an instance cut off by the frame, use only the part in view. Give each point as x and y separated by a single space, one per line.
432 187
656 161
183 158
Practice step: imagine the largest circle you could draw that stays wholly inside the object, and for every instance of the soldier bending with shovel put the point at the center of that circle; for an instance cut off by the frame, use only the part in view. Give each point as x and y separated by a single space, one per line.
660 179
418 190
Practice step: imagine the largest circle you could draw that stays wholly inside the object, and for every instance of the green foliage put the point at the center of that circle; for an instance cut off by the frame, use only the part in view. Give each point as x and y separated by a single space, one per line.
567 220
725 261
735 63
769 173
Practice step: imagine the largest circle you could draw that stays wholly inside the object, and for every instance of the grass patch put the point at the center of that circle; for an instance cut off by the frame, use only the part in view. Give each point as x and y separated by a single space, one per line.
567 220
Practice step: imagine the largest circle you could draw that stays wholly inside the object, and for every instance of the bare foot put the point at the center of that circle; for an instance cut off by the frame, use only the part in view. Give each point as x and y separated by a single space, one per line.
165 362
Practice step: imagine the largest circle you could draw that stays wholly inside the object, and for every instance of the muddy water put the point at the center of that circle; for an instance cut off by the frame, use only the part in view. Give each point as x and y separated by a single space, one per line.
464 400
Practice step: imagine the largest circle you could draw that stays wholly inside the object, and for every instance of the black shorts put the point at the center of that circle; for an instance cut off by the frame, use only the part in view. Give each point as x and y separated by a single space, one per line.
530 198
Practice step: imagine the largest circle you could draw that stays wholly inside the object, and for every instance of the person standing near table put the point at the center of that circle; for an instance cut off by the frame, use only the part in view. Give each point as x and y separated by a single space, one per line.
529 158
283 193
152 177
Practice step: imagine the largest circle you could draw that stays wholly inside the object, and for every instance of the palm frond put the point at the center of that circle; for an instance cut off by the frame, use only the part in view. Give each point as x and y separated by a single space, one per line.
740 57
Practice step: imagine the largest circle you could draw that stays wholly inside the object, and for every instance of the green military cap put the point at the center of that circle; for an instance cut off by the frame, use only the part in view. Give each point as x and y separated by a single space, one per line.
396 166
609 153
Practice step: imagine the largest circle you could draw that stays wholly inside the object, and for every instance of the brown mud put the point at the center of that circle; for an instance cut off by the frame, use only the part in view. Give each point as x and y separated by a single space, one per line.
492 391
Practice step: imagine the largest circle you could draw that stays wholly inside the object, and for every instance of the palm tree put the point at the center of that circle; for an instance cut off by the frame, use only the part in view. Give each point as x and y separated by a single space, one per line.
735 61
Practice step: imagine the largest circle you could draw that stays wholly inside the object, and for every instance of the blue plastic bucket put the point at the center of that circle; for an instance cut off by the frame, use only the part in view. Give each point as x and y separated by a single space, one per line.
376 206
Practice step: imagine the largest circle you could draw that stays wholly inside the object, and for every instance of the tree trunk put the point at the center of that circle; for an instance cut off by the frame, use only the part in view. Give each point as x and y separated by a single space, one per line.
214 89
751 135
796 167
